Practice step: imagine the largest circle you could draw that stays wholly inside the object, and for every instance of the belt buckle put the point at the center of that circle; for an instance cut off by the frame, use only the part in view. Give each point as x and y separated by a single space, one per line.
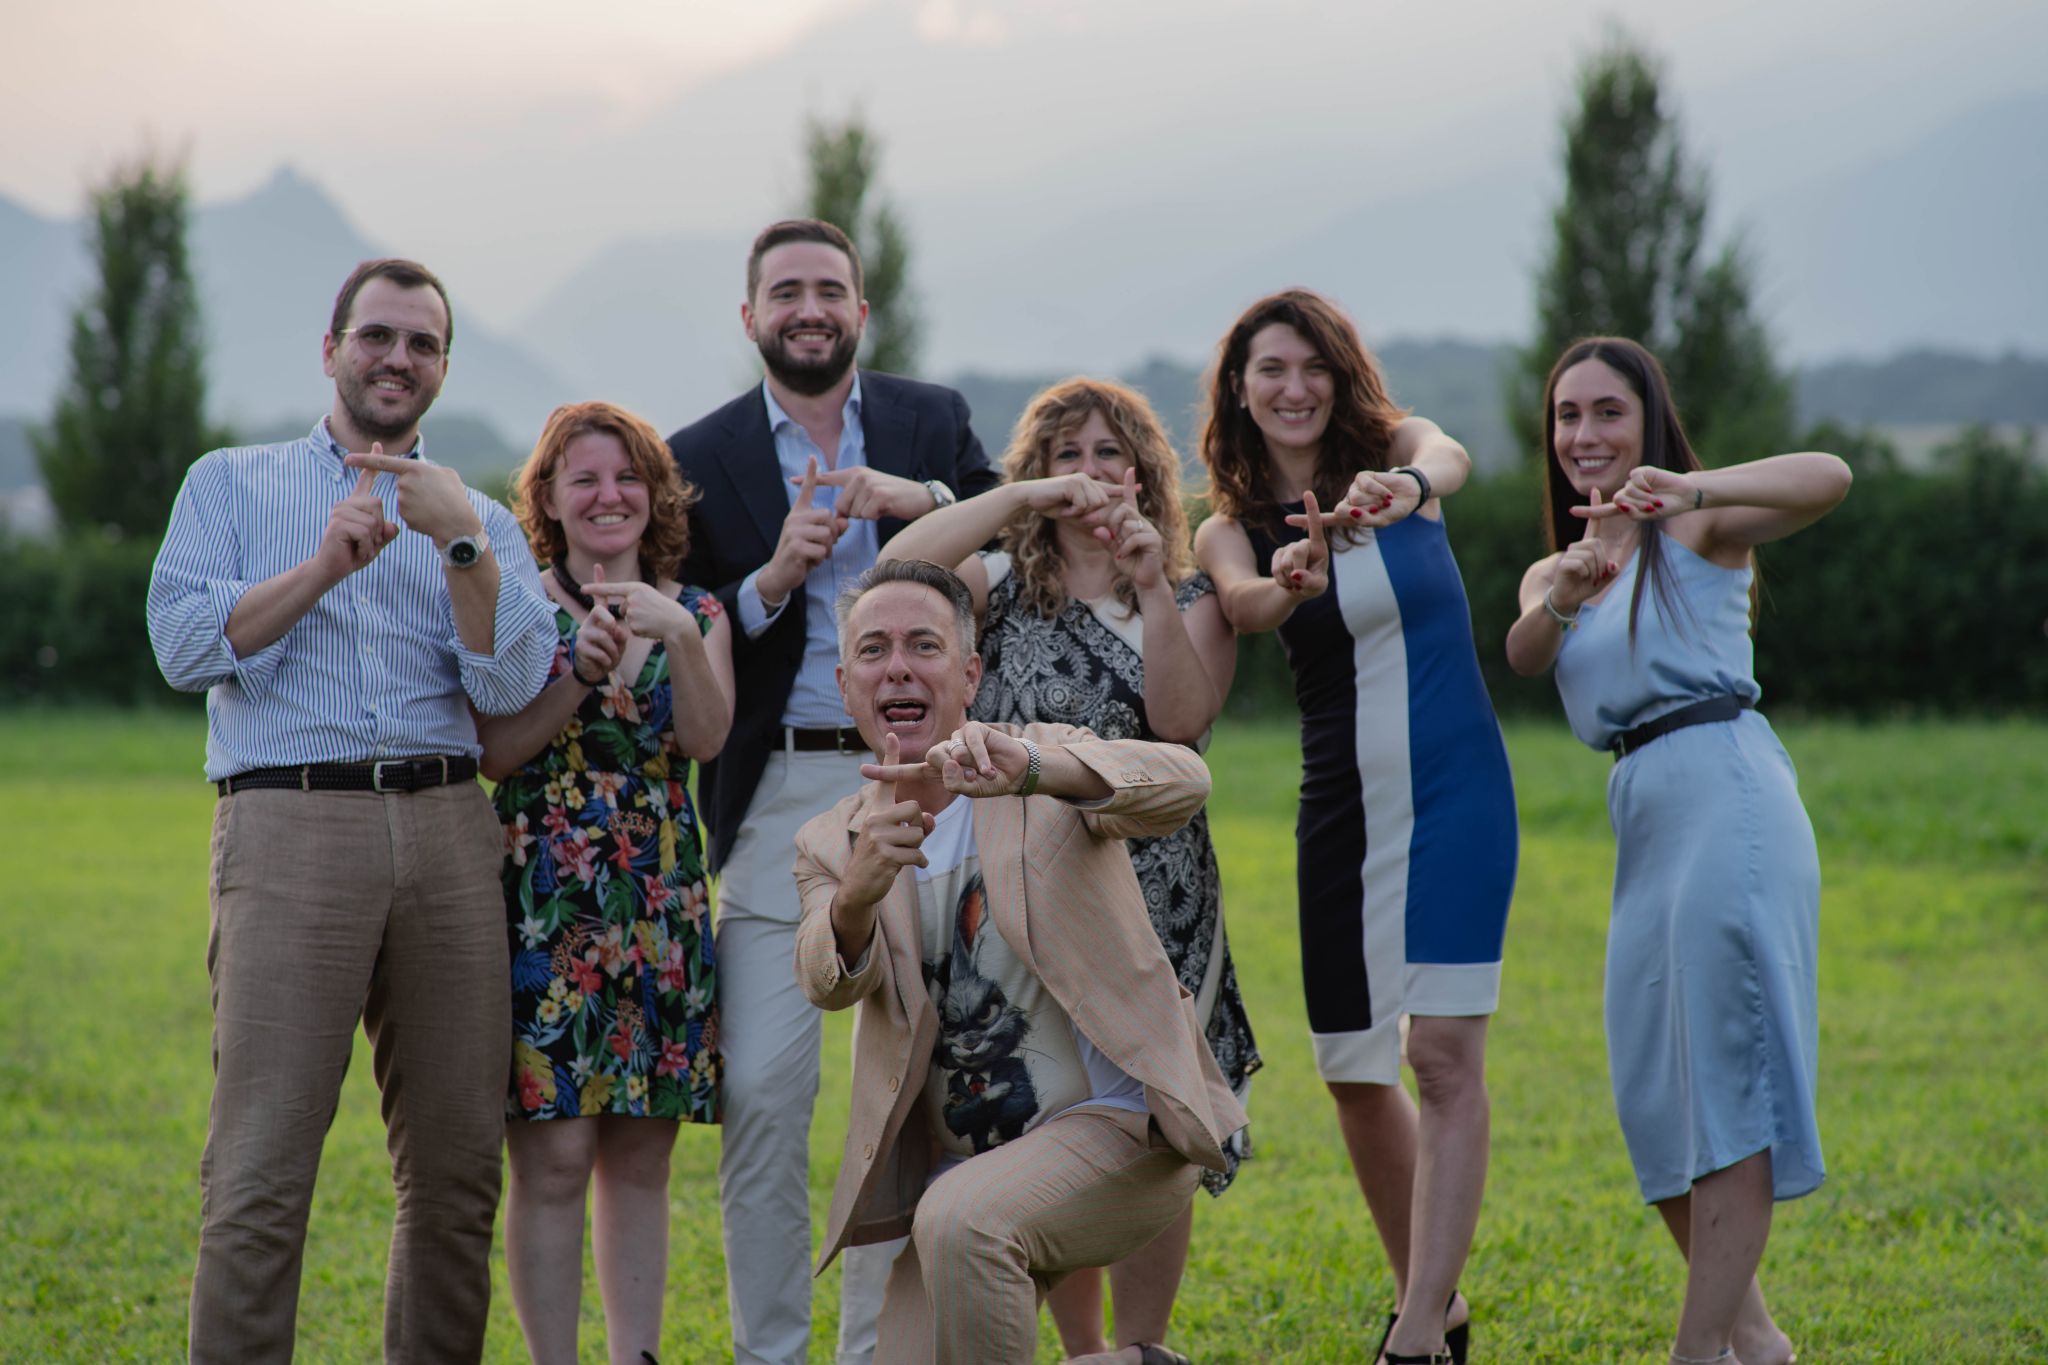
377 772
839 740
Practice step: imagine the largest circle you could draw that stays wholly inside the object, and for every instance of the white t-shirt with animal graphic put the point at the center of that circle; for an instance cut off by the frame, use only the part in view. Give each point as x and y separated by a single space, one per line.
1007 1057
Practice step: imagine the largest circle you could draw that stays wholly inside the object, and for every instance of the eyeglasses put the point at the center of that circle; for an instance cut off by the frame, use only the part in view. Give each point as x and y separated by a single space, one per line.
377 339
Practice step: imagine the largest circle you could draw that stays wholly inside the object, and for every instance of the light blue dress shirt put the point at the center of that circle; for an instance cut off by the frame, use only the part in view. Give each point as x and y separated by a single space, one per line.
376 669
814 698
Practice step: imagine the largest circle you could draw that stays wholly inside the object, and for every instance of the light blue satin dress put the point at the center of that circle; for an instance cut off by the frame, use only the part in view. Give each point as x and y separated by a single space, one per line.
1712 1010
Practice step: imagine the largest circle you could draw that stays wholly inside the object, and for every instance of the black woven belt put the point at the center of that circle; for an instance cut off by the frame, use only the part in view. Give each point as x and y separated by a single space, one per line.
1699 713
386 775
827 741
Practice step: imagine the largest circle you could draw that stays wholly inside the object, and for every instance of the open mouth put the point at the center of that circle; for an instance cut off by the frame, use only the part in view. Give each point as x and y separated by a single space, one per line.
902 713
1591 464
819 336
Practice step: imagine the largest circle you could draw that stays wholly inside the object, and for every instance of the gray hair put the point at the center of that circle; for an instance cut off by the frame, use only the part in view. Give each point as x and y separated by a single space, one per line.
922 572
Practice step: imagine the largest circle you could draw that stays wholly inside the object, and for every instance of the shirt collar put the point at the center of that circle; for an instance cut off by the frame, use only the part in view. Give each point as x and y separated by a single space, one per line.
323 439
777 417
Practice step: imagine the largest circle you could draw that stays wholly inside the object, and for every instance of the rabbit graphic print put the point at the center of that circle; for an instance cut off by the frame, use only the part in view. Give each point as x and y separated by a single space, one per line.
1007 1057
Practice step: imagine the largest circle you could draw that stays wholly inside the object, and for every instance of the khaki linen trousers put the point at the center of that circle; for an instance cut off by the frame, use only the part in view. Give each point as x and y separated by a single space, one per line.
992 1234
329 907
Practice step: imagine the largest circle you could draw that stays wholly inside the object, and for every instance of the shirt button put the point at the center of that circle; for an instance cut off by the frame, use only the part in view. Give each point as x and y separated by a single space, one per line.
867 1153
892 1084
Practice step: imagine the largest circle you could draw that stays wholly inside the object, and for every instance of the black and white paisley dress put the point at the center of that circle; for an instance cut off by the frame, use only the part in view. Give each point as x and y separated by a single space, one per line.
1085 667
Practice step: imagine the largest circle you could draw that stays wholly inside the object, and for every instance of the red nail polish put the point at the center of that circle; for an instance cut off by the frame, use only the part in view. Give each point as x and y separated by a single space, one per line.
1658 503
1294 578
1356 513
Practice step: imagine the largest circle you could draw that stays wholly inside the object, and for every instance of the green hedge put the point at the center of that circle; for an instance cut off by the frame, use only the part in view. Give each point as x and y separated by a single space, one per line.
71 623
1923 592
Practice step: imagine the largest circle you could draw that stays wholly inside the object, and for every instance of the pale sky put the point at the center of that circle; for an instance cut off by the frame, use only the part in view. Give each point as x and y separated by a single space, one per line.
522 137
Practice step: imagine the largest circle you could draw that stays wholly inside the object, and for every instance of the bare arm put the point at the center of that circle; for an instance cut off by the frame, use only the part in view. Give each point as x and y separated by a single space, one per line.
1253 602
700 675
1190 659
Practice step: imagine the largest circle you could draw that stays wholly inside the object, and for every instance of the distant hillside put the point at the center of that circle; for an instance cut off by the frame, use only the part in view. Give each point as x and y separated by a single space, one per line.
1927 387
267 265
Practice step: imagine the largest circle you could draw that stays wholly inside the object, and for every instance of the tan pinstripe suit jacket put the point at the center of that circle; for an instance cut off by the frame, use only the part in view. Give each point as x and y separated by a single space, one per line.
1062 894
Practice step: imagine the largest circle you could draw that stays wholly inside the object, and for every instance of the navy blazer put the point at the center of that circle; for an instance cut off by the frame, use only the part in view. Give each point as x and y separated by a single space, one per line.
919 431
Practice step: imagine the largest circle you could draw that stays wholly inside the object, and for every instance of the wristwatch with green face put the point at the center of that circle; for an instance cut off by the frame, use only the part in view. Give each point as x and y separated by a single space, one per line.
463 552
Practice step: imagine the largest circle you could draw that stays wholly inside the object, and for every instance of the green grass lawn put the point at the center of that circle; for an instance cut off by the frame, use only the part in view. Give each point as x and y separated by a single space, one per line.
1922 1246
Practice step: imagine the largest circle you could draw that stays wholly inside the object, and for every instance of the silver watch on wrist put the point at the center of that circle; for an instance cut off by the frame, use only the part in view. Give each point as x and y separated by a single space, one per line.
942 496
464 552
1034 767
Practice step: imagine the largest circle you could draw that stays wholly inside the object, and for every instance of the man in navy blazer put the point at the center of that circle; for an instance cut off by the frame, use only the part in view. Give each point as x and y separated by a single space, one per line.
802 481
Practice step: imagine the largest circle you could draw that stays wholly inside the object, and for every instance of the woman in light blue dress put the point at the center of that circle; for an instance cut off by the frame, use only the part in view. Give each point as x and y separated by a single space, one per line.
1645 609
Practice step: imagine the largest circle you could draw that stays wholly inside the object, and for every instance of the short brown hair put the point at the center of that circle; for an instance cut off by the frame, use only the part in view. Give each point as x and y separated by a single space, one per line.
669 499
401 272
801 230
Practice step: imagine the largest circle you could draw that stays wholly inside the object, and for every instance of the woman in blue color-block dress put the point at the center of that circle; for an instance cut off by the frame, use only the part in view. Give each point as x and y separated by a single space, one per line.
1645 611
1329 528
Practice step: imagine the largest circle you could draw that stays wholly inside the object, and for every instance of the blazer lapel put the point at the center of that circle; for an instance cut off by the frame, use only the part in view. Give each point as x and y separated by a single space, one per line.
748 455
888 428
999 839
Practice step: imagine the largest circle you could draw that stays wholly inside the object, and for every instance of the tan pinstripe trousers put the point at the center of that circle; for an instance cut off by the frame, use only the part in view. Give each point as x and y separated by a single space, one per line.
994 1233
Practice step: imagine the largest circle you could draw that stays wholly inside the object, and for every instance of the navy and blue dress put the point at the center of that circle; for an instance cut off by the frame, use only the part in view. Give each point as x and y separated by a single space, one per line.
1406 839
1713 1034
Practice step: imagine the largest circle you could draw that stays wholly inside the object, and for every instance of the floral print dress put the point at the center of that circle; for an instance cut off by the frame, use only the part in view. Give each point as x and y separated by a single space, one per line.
613 1002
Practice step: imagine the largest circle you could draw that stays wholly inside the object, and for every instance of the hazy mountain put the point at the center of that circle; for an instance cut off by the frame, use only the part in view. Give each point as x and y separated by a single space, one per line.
653 324
1926 387
1936 244
267 266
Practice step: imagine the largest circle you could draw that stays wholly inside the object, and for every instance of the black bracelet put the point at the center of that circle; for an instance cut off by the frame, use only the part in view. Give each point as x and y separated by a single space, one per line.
1421 479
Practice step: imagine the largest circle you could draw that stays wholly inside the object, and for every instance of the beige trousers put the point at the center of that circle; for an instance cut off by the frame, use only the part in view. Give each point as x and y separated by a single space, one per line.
994 1233
329 907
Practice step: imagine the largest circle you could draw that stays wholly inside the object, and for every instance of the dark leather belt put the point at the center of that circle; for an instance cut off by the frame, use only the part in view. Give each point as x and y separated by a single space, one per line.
1699 713
386 775
826 741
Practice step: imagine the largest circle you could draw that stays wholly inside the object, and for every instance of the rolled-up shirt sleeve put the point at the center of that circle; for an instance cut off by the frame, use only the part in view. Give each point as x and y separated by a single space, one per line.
522 632
194 586
754 613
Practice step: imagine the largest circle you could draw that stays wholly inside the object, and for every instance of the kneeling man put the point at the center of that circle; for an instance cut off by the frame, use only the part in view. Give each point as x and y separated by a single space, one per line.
1031 1092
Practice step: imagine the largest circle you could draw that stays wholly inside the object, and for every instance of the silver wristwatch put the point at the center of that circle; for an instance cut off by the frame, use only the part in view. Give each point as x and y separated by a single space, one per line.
463 552
1034 764
942 496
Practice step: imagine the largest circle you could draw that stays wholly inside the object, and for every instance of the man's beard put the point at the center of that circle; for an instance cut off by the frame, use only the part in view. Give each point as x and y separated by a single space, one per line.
356 400
809 377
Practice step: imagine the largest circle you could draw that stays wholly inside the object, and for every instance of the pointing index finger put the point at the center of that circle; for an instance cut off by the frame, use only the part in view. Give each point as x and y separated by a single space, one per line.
377 460
810 484
1315 521
363 482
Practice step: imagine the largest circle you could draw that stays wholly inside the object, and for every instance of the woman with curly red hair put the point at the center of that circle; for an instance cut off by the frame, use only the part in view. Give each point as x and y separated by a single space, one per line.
614 1015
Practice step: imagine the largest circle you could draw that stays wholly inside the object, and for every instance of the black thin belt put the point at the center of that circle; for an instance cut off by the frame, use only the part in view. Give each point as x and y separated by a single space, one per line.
829 741
387 775
1699 713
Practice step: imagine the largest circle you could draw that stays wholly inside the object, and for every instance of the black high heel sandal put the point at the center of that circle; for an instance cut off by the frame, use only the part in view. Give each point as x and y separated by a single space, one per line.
1457 1342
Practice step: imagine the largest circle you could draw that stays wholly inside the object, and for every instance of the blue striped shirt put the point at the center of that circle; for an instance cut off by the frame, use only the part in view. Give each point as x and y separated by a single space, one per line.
376 669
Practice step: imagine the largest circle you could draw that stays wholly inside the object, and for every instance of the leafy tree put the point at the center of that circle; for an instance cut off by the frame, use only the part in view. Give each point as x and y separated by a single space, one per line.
843 159
131 416
1629 258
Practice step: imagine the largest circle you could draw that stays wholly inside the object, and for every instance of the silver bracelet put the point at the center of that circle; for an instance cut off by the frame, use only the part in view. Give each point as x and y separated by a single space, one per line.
1727 1352
1034 767
1564 622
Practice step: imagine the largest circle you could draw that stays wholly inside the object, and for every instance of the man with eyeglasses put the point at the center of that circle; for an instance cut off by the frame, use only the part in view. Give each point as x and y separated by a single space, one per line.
344 608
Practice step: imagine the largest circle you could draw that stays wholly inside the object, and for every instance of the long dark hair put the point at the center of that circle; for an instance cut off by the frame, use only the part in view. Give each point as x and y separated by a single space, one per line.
1664 445
1362 419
